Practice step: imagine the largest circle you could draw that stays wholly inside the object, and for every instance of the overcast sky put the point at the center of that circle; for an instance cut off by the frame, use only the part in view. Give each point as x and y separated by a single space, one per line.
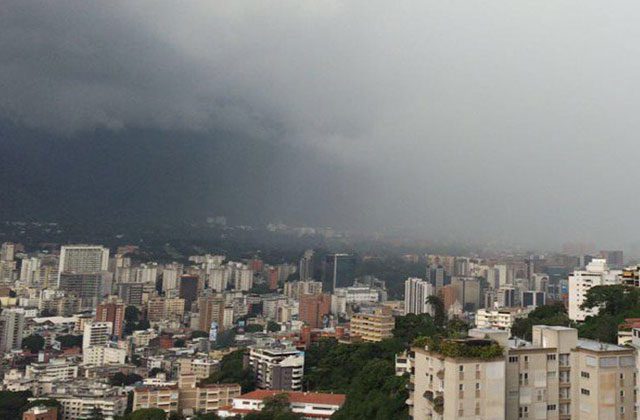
507 121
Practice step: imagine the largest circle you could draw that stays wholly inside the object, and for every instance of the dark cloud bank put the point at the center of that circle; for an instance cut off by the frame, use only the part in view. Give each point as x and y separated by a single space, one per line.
504 121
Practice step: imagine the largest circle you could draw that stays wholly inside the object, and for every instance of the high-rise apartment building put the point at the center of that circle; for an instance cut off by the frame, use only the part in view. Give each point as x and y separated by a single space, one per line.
556 376
339 270
210 309
436 275
131 293
188 290
614 259
96 334
306 266
597 273
7 251
87 287
218 278
277 368
243 279
313 309
467 292
83 259
113 312
11 328
295 289
465 387
532 298
416 293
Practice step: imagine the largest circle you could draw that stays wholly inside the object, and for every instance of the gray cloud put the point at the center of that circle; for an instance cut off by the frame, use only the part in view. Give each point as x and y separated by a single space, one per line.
506 121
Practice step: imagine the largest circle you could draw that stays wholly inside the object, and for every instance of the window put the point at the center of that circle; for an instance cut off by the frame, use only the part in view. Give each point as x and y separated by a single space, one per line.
551 374
622 376
621 393
551 407
461 387
524 379
513 359
461 368
551 357
523 412
585 375
585 391
526 359
477 386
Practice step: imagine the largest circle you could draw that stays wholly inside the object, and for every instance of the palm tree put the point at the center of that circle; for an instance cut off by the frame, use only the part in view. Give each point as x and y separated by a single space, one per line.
438 308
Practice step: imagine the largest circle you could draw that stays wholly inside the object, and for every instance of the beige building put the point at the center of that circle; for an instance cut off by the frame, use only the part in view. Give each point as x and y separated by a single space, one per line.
187 397
210 309
445 387
556 376
201 368
161 309
373 327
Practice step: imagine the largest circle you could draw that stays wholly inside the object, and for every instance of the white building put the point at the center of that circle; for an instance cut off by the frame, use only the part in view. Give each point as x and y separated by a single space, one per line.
502 318
83 259
243 279
11 328
277 368
55 369
96 334
79 399
416 292
218 278
103 355
357 295
310 405
596 273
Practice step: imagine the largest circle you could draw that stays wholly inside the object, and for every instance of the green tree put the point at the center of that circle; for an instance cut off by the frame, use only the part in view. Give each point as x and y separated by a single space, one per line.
612 300
555 314
260 289
615 303
34 343
12 404
273 326
410 326
438 308
232 371
120 379
154 372
69 341
253 328
199 334
131 313
148 414
376 393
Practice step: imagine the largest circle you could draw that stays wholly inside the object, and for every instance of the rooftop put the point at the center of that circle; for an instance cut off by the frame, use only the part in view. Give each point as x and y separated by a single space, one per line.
298 397
599 346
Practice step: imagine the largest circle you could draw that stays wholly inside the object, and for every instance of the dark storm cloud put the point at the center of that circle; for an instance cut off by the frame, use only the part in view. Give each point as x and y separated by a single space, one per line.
502 120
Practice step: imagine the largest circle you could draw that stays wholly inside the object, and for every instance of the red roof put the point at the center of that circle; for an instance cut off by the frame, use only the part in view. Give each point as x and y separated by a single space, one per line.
297 397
